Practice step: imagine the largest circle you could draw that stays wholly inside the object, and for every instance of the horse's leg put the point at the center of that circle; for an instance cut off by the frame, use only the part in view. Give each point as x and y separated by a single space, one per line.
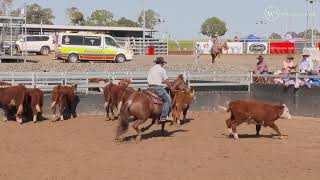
149 126
135 126
162 128
185 113
62 106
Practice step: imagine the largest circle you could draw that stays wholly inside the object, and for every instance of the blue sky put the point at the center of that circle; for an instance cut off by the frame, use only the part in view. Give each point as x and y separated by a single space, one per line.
184 17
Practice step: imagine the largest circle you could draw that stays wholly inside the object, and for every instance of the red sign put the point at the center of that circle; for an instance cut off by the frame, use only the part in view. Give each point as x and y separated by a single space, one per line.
282 48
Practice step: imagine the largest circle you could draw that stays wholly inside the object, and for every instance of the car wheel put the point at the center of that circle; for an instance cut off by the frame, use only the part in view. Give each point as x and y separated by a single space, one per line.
120 58
45 51
74 58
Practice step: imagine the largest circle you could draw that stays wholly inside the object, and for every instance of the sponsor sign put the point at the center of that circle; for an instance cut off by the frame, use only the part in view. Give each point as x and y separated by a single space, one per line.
282 48
204 47
234 48
257 48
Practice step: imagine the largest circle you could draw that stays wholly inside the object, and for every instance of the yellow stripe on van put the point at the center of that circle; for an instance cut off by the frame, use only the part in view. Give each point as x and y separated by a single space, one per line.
66 50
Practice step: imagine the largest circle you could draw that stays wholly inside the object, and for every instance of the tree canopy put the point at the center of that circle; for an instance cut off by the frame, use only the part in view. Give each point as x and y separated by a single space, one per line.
35 13
213 26
100 18
75 16
152 19
5 5
275 36
124 22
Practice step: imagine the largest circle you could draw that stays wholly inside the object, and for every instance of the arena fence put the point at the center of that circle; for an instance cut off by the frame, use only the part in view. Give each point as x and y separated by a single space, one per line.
47 80
213 91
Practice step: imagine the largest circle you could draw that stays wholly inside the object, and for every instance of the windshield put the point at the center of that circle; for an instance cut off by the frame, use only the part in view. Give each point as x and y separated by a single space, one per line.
111 42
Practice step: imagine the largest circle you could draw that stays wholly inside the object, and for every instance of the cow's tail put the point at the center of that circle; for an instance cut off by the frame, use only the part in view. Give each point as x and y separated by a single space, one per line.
124 119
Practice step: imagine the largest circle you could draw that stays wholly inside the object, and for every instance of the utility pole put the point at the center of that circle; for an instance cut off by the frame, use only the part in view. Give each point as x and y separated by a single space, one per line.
25 33
144 27
312 21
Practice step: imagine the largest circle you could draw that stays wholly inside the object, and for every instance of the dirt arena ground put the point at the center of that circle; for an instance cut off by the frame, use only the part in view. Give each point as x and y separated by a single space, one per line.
83 149
246 60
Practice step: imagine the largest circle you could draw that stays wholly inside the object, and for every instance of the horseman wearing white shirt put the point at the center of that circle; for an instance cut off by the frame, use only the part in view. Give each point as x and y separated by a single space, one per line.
156 77
306 65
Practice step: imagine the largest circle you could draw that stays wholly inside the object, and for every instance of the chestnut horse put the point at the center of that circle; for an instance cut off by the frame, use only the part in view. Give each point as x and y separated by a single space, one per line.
216 50
141 106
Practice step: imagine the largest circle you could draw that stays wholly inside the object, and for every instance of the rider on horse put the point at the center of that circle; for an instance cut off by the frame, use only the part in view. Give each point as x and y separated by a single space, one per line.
156 77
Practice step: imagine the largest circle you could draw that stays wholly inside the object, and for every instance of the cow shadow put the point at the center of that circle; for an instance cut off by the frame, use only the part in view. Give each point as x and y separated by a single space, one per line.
153 134
254 136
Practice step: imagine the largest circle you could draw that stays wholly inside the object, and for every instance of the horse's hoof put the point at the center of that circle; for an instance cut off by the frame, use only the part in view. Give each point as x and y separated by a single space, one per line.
280 137
138 138
117 140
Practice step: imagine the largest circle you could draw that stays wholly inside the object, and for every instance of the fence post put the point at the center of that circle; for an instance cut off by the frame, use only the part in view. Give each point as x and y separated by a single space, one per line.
113 78
12 78
251 81
87 82
33 84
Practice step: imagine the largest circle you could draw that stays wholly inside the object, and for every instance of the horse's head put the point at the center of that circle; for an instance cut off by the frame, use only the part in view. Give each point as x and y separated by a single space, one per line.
124 82
178 84
225 46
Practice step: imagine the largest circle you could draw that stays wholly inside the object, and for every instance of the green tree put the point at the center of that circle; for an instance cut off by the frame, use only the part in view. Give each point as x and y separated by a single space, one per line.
124 22
75 16
152 19
100 18
275 36
5 5
213 26
35 13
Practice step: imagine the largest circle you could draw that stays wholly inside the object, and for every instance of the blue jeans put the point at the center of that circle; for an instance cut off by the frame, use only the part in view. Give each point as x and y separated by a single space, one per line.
166 101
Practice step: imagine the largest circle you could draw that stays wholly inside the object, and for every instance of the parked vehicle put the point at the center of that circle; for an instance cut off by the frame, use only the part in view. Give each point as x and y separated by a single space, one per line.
40 44
74 47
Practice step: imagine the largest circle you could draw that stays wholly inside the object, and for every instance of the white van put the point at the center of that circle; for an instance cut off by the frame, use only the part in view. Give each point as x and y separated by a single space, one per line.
40 44
74 47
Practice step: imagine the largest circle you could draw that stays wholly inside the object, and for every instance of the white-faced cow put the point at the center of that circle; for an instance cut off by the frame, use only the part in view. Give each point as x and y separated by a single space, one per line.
253 112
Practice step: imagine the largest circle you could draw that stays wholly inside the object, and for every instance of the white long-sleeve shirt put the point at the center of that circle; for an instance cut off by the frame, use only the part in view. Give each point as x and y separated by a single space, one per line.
157 75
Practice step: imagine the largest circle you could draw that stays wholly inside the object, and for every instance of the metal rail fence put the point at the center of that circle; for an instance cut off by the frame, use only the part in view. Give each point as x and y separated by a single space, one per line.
47 80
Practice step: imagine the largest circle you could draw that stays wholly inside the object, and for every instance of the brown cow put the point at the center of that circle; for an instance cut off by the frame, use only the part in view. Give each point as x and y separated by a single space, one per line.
34 102
181 103
64 96
115 96
4 83
13 96
254 112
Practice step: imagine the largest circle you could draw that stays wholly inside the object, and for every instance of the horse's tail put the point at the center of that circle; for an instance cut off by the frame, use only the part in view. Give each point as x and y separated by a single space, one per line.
124 118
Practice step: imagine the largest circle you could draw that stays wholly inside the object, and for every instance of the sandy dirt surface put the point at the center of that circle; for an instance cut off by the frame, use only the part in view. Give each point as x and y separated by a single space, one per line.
241 62
83 149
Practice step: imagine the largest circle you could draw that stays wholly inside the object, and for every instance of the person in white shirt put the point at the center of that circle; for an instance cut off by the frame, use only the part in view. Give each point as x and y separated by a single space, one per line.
305 65
156 77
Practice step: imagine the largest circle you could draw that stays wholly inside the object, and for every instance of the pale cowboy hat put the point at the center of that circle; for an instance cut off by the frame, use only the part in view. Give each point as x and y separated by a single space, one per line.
260 57
160 60
305 54
215 35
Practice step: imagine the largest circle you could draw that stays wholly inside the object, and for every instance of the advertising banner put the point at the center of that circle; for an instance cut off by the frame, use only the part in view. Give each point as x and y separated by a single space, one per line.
234 48
282 48
204 47
257 48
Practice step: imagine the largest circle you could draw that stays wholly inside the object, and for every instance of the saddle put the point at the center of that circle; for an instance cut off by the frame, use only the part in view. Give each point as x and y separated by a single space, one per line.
154 97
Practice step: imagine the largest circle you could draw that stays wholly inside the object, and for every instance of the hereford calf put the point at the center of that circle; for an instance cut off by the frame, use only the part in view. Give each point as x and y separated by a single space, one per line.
258 113
34 102
13 96
115 96
181 103
64 96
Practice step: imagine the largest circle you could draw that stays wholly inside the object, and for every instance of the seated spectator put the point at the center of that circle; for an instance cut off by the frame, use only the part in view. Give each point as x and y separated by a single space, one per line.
262 67
288 65
305 66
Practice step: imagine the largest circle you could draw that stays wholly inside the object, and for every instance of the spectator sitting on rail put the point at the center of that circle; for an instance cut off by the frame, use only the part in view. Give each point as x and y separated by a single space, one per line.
262 67
288 65
305 65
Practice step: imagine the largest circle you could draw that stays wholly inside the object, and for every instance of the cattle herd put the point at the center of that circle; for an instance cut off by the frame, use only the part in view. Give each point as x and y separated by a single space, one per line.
131 105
